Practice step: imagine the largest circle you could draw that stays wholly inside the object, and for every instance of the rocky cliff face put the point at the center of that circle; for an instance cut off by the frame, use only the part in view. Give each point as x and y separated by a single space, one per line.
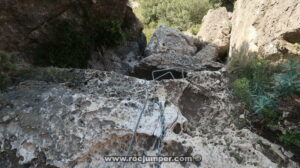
74 123
26 24
71 118
267 28
74 118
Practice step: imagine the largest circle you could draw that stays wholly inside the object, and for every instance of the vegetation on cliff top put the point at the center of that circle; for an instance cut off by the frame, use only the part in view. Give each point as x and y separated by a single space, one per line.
185 15
266 91
179 14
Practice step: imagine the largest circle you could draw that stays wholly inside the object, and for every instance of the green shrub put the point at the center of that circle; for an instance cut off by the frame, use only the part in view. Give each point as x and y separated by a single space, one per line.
262 87
260 84
149 31
291 138
195 29
271 117
108 33
71 43
255 76
242 89
179 14
264 103
288 82
6 68
258 71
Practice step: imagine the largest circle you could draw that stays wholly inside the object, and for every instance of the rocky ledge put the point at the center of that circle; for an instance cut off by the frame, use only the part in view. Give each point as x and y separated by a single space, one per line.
72 118
75 123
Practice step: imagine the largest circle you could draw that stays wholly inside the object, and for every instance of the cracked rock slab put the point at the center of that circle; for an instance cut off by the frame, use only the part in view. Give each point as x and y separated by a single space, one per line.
66 125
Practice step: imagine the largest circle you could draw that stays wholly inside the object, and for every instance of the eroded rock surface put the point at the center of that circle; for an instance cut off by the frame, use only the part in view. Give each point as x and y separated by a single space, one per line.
170 48
169 40
76 123
215 29
27 24
24 22
72 118
266 28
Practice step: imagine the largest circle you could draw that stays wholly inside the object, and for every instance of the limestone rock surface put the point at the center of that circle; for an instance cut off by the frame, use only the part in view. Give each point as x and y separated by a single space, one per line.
170 48
216 28
75 123
269 29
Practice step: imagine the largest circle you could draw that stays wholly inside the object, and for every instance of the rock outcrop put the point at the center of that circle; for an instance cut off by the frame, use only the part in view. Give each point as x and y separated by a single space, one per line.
75 123
23 23
121 59
269 29
27 24
169 40
215 29
71 118
170 48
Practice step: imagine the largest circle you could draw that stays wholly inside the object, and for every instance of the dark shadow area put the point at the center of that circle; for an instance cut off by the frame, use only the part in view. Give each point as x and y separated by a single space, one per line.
9 159
177 128
159 74
223 58
292 37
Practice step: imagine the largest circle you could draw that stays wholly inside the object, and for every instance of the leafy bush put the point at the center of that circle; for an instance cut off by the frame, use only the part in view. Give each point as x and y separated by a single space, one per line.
271 117
262 86
288 82
71 43
291 138
264 103
6 68
149 31
242 89
195 29
179 14
259 73
108 33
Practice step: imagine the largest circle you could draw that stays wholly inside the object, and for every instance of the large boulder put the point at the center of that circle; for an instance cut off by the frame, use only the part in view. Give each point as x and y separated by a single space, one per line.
269 29
124 57
169 40
215 29
177 63
121 59
76 117
170 48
